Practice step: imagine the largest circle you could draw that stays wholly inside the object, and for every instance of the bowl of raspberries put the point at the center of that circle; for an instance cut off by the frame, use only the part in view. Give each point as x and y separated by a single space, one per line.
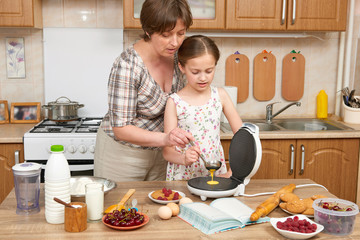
296 227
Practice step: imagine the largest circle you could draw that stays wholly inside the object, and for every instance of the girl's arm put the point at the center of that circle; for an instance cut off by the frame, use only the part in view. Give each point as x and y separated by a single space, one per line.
230 111
169 152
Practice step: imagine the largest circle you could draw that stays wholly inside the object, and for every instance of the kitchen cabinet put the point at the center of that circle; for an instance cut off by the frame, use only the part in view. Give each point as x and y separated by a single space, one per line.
21 13
206 14
10 153
332 163
286 15
257 15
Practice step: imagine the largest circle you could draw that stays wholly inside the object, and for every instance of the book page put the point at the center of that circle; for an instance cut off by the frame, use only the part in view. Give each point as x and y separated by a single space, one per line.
210 213
234 208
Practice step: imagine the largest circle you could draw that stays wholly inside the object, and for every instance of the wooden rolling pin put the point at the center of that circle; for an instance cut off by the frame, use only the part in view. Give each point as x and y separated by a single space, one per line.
271 203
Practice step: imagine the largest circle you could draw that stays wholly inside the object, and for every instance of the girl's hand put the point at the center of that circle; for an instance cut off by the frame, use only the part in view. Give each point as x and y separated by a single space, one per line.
191 155
178 137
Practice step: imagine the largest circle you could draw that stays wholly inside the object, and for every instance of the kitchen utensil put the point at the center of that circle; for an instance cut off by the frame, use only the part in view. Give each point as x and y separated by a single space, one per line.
237 74
77 184
122 202
244 158
75 217
264 76
62 111
62 202
293 76
214 164
134 203
27 187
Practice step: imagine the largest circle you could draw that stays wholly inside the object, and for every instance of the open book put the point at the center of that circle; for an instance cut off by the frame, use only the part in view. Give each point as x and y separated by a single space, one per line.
221 215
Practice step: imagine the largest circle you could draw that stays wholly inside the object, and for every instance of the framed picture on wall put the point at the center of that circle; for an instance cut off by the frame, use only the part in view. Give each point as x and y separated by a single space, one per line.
4 112
25 112
15 57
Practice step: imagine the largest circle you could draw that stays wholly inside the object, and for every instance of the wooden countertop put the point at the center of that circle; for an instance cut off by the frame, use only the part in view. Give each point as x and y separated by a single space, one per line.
13 226
13 133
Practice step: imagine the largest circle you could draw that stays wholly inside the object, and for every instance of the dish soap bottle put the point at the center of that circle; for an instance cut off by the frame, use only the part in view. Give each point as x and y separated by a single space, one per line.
57 184
322 105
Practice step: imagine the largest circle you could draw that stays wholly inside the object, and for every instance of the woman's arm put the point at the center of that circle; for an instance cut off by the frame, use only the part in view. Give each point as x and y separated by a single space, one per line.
170 153
230 111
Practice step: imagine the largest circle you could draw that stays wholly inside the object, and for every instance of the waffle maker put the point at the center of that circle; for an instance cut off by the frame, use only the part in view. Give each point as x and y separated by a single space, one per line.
244 158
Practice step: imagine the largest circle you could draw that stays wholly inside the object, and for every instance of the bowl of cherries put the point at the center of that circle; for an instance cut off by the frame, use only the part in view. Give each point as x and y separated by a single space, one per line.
125 219
336 215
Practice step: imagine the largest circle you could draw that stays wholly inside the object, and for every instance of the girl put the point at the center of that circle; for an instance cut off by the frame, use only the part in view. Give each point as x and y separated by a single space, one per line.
197 109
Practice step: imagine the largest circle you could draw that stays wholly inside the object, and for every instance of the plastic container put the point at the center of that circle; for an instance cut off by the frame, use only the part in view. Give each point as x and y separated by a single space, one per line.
351 115
57 184
322 105
27 187
335 222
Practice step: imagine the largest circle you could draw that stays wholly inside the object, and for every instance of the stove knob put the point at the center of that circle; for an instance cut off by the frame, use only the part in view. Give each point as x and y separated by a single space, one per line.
92 148
71 149
82 149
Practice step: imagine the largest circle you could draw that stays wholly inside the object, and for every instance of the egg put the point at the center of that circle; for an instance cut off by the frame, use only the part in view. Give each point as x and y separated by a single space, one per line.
174 208
165 212
185 200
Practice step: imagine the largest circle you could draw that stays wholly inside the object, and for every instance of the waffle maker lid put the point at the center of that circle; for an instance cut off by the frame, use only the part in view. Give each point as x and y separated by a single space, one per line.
243 154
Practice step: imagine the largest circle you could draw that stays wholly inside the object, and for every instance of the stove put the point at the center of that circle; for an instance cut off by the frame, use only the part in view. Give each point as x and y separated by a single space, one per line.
77 136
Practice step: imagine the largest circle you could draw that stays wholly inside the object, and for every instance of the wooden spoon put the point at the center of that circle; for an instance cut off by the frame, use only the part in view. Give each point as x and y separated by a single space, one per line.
62 202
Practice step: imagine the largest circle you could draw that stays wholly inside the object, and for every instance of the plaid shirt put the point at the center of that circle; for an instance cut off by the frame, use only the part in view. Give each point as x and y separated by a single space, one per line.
134 98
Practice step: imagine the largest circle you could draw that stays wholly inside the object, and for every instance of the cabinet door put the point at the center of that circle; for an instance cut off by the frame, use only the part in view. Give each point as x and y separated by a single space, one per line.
21 13
317 15
8 153
330 162
277 159
206 14
256 14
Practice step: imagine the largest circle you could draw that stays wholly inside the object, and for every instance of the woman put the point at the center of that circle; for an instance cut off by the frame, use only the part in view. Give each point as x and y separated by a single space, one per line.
128 144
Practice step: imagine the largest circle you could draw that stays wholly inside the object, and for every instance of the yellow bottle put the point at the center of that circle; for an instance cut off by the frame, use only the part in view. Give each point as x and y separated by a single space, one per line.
322 105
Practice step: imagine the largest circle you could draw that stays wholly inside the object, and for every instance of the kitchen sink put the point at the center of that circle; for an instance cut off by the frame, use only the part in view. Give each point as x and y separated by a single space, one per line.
293 124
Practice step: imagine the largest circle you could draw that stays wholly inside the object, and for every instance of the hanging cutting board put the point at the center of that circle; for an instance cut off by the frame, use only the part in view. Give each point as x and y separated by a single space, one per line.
237 74
293 75
264 76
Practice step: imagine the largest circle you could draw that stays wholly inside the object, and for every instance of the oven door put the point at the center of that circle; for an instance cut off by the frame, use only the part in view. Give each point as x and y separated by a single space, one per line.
77 168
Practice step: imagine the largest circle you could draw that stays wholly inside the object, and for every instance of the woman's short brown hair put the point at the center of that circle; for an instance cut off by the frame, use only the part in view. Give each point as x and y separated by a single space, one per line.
158 16
196 46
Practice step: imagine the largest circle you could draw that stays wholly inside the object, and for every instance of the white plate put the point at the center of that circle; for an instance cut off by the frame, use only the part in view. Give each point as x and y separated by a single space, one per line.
166 202
309 216
296 235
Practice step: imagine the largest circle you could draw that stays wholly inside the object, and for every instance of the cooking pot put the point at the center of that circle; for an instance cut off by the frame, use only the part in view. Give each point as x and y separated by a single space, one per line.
62 111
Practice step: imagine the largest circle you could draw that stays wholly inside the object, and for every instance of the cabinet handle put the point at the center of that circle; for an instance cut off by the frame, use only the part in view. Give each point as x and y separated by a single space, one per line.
17 157
283 13
293 13
292 150
302 160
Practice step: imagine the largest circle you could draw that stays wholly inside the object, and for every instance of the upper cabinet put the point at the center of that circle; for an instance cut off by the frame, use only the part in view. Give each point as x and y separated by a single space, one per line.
20 13
208 14
257 15
292 15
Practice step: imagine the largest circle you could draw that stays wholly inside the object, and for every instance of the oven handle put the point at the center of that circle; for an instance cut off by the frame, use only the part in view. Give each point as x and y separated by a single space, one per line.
81 167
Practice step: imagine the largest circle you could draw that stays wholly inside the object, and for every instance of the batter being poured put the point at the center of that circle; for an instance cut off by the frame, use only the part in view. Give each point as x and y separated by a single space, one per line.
212 171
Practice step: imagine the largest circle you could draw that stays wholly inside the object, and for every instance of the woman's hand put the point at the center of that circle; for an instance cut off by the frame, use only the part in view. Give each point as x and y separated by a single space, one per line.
191 155
178 137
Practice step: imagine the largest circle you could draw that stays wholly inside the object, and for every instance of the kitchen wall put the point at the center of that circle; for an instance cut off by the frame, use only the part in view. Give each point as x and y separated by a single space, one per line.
321 56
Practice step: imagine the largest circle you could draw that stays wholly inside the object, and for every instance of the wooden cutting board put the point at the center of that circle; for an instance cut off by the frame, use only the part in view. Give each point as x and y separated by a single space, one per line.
237 74
293 75
264 76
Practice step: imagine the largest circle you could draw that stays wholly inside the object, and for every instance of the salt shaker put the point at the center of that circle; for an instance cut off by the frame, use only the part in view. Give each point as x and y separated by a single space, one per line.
94 198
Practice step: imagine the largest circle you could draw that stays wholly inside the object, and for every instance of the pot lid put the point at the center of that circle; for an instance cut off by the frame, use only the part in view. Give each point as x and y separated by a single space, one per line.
67 101
26 168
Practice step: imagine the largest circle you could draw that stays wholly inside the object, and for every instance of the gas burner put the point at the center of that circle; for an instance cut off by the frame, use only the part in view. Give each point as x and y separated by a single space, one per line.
72 123
87 129
91 121
51 129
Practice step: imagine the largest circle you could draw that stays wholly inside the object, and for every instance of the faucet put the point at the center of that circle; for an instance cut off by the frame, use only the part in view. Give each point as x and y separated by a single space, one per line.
269 109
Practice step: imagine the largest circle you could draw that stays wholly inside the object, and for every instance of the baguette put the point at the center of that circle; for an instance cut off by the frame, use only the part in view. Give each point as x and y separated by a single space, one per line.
271 203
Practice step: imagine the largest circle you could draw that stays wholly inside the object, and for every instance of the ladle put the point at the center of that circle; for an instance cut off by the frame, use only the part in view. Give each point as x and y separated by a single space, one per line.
215 164
62 202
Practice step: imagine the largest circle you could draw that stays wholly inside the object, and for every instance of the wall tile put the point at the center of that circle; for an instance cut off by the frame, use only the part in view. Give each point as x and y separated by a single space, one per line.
109 14
53 13
80 13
